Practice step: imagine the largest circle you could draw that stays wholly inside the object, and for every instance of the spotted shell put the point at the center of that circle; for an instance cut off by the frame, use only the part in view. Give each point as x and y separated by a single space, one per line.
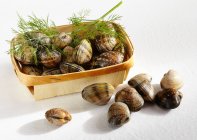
118 114
83 52
105 43
68 51
62 40
168 98
31 70
138 79
50 59
98 93
131 98
171 80
52 71
70 67
107 59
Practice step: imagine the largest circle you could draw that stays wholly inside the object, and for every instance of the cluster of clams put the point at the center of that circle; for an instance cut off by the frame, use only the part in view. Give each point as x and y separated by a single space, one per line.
133 97
57 55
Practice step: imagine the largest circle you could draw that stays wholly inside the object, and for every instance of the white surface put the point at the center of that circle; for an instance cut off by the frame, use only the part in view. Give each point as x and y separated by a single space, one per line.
164 33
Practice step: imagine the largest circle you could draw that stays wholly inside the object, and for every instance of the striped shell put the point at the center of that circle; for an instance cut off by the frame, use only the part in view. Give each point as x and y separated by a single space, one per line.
171 80
83 52
118 114
31 70
107 59
131 98
53 71
105 43
146 90
70 67
98 93
138 79
168 98
68 51
62 40
50 59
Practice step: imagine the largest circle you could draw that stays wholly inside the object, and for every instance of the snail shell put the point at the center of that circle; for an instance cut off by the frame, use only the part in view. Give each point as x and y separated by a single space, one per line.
131 98
146 90
171 80
107 59
138 79
168 98
68 51
53 71
83 52
98 94
105 43
58 116
50 59
70 67
118 114
62 40
31 70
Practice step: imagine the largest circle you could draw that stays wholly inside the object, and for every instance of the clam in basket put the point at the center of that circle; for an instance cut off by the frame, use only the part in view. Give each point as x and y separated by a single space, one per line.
47 86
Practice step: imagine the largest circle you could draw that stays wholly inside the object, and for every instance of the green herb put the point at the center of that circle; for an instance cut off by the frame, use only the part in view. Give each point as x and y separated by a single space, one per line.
92 29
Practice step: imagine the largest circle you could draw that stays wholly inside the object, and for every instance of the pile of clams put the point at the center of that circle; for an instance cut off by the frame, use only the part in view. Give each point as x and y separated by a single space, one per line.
132 98
44 55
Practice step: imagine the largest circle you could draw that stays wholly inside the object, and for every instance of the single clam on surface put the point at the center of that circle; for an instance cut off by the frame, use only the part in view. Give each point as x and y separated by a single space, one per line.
171 80
131 98
118 114
98 93
58 116
168 98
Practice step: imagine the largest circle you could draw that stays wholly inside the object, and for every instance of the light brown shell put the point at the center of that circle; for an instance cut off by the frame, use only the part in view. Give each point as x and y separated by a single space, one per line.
139 78
118 114
53 71
68 51
62 40
171 80
40 37
58 116
98 93
31 70
70 67
131 98
83 52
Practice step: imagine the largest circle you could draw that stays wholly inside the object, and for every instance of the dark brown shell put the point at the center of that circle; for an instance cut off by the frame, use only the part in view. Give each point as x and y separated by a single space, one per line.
118 114
61 40
107 59
70 67
53 71
105 43
168 98
50 59
98 93
83 52
68 51
131 98
31 70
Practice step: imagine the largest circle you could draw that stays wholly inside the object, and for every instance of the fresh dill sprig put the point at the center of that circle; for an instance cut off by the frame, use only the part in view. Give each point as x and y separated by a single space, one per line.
101 26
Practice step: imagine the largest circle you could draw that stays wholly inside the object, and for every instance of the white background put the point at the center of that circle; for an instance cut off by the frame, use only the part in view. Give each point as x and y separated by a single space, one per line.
164 34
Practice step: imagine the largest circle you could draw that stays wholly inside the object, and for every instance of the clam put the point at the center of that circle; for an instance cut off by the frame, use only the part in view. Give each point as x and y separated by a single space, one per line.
146 90
107 59
131 98
171 80
83 52
138 79
70 67
50 59
119 48
52 71
168 98
38 38
105 43
58 116
62 40
118 114
31 70
98 93
68 51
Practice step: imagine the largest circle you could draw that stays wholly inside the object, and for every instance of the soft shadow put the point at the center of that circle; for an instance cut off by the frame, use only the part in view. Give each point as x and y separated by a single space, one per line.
37 127
156 87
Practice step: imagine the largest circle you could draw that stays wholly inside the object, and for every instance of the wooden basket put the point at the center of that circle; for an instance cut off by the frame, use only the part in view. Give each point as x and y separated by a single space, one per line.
48 86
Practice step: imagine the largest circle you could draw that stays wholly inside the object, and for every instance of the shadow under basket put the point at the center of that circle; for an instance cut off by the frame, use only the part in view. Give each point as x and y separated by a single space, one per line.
42 87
